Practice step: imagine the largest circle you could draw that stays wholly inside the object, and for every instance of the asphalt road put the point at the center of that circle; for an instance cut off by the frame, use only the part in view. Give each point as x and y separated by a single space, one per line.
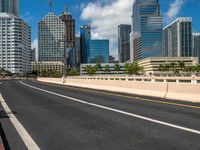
67 118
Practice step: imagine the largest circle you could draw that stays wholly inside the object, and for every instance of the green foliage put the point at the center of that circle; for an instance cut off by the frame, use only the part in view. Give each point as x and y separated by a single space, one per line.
107 69
177 68
98 67
5 72
117 68
73 72
132 68
51 73
90 70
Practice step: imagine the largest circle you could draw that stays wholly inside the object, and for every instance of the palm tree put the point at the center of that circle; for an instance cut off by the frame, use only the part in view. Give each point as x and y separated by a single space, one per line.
107 69
90 70
181 66
98 67
174 68
117 68
132 68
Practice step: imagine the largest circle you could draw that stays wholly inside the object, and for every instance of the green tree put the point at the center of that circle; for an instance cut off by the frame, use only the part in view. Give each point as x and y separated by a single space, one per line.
132 68
98 67
73 72
117 68
90 70
107 69
174 68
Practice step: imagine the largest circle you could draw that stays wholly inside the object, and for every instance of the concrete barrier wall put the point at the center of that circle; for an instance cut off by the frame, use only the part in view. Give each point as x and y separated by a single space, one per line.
177 91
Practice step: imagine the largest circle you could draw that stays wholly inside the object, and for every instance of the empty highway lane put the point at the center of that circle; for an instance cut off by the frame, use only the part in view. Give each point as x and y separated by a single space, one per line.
43 116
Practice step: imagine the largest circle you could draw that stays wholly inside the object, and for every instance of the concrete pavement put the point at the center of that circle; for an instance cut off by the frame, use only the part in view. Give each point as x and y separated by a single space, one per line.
56 121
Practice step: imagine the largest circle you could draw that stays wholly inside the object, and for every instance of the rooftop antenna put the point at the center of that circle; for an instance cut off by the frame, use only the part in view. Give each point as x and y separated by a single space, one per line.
67 7
50 5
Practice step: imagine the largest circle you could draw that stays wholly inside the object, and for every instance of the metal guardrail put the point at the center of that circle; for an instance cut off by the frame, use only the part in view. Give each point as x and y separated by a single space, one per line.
191 79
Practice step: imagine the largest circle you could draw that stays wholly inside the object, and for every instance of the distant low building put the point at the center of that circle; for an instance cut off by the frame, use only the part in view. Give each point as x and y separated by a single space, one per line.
151 64
102 71
48 65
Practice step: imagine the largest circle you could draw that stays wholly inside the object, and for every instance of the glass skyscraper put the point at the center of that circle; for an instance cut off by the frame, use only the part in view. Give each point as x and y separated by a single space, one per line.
85 43
146 36
124 31
99 51
10 6
177 38
196 45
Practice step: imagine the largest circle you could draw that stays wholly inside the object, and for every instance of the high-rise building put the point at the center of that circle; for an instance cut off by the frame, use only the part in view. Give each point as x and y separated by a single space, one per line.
177 38
69 23
196 45
124 42
10 6
33 54
51 38
78 50
146 30
85 32
99 51
70 40
15 44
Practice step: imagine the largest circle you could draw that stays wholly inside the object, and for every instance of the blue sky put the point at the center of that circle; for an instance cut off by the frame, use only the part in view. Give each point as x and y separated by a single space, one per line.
103 14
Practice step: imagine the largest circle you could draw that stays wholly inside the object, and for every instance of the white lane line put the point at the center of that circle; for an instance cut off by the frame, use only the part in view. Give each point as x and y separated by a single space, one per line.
28 141
116 110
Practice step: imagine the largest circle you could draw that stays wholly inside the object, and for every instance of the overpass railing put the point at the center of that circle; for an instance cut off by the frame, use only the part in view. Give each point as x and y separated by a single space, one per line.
166 79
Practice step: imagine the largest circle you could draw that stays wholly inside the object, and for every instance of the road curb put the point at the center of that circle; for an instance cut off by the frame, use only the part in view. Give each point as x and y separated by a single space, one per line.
3 140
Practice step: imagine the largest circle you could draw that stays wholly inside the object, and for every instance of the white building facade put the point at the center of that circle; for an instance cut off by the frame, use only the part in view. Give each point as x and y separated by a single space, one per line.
15 44
51 38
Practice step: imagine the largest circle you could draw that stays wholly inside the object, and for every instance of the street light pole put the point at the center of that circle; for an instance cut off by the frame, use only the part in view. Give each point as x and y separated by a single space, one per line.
65 57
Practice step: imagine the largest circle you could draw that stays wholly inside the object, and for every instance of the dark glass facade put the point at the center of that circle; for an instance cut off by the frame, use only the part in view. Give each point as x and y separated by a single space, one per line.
124 42
146 30
196 45
177 38
85 32
99 51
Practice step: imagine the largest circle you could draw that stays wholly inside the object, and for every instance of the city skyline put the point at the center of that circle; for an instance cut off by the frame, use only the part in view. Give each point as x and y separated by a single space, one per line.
169 9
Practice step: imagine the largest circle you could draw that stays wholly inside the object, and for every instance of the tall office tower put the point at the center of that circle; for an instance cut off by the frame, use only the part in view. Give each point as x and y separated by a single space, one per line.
124 42
69 23
196 45
99 51
177 38
10 6
33 54
78 50
69 28
146 30
85 32
51 38
15 44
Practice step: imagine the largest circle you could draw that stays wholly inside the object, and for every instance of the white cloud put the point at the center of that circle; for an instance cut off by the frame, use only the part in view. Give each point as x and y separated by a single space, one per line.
105 16
34 44
174 10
